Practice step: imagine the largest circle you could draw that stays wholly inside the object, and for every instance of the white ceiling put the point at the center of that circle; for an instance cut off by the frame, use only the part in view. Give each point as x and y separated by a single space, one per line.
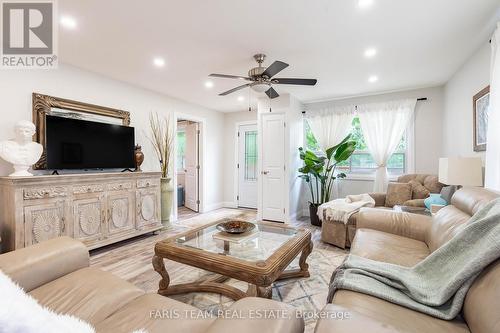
419 42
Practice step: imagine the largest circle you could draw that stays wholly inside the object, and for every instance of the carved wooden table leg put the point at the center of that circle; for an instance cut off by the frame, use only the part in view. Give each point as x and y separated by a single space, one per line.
304 266
303 271
256 291
159 267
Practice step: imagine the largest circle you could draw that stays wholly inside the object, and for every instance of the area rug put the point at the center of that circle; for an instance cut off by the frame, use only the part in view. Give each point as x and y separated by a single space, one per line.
131 260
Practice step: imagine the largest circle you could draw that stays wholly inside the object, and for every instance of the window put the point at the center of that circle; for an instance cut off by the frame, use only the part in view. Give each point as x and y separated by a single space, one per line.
361 162
251 155
181 149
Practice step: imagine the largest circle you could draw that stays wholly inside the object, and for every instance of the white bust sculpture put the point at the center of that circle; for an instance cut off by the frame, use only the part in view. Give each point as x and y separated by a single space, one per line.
23 152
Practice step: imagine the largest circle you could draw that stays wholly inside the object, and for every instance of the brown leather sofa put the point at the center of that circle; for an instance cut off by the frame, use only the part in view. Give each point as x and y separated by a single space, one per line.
57 274
406 239
342 235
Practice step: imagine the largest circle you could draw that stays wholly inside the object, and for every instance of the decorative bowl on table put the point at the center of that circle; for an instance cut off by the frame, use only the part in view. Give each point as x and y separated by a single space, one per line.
235 226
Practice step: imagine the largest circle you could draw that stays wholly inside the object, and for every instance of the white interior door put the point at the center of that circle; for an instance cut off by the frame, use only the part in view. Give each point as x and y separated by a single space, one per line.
192 167
247 166
273 167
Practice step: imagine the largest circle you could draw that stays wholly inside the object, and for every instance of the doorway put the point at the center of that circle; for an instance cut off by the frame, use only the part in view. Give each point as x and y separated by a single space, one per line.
273 188
247 166
188 168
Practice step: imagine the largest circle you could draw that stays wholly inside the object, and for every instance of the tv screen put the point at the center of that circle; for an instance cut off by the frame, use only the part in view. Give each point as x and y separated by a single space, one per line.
81 144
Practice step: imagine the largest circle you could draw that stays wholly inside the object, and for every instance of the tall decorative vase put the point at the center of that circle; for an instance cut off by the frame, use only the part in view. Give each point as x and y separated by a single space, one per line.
167 192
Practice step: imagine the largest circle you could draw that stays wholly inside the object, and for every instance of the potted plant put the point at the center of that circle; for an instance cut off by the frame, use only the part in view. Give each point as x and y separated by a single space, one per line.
162 140
319 172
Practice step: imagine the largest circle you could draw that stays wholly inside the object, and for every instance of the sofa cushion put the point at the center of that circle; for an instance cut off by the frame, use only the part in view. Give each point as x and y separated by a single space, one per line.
155 314
415 203
418 191
89 293
390 248
446 223
374 315
397 194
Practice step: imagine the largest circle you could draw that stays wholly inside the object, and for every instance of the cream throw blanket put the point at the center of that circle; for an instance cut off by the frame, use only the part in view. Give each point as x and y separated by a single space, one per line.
21 313
341 209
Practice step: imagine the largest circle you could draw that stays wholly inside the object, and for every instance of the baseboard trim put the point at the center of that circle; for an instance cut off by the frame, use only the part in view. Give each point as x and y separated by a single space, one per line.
214 206
230 204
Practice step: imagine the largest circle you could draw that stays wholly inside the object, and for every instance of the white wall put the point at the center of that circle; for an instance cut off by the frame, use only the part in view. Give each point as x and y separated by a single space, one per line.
16 87
471 78
229 160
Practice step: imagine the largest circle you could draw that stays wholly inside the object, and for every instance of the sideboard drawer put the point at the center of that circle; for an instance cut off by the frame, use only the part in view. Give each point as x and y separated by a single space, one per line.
119 186
90 188
145 183
44 192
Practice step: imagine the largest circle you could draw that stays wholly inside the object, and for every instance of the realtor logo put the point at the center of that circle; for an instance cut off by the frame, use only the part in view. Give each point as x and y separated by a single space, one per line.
28 34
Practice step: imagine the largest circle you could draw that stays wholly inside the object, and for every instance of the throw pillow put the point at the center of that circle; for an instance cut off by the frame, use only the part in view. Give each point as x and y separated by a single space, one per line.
397 194
447 192
419 191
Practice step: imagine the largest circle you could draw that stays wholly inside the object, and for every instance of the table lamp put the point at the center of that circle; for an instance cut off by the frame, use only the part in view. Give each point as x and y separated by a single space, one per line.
460 171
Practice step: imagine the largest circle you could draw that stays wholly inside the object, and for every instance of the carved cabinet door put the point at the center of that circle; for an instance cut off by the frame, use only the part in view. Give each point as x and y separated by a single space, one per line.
89 218
148 208
44 221
120 212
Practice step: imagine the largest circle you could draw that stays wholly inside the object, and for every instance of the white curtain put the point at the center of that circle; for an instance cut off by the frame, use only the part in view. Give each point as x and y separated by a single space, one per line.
383 125
330 125
492 170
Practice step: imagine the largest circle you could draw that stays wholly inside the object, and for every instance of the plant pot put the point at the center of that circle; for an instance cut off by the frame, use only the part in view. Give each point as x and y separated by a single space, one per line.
167 196
313 215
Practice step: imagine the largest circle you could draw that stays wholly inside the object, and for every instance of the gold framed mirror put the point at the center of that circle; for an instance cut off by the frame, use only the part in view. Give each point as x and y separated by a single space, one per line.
49 105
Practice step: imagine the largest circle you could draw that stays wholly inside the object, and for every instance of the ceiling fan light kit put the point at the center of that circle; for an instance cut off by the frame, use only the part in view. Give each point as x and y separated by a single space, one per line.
261 78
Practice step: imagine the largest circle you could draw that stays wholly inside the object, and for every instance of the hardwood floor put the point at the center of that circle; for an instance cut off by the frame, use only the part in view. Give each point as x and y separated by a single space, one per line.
184 213
131 260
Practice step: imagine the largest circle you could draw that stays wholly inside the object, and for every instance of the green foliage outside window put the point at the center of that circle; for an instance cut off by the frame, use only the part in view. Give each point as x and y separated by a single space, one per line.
361 160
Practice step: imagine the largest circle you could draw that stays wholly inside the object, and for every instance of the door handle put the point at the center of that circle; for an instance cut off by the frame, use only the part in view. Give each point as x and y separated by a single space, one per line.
264 172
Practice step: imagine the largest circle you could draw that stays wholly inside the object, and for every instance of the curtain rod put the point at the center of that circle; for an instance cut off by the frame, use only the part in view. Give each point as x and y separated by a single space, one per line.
418 99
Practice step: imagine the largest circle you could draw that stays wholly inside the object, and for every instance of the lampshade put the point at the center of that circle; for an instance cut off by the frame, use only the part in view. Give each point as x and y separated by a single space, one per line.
464 171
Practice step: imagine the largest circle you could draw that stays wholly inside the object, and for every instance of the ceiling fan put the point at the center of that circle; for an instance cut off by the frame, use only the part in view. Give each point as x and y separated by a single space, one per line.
262 78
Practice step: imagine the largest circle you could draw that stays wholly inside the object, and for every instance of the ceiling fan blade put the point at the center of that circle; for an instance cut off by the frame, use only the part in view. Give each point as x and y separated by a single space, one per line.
274 69
234 89
231 77
271 93
303 82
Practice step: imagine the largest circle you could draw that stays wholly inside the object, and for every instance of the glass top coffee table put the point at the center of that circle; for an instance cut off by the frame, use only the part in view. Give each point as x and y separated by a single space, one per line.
259 257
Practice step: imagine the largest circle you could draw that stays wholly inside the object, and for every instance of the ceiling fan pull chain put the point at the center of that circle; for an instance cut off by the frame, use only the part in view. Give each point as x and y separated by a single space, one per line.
249 96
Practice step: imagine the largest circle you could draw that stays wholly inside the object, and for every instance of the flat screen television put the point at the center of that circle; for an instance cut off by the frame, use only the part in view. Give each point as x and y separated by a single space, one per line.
81 144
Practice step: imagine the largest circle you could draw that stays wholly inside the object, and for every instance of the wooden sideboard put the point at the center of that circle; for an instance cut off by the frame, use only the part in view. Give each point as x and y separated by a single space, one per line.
97 208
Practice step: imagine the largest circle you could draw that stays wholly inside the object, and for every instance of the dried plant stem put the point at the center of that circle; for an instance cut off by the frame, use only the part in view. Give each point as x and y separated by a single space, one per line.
162 140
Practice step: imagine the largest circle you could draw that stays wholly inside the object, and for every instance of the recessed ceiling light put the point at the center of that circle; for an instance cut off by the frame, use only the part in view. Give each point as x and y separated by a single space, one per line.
365 3
159 62
68 22
373 79
209 84
370 53
241 98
